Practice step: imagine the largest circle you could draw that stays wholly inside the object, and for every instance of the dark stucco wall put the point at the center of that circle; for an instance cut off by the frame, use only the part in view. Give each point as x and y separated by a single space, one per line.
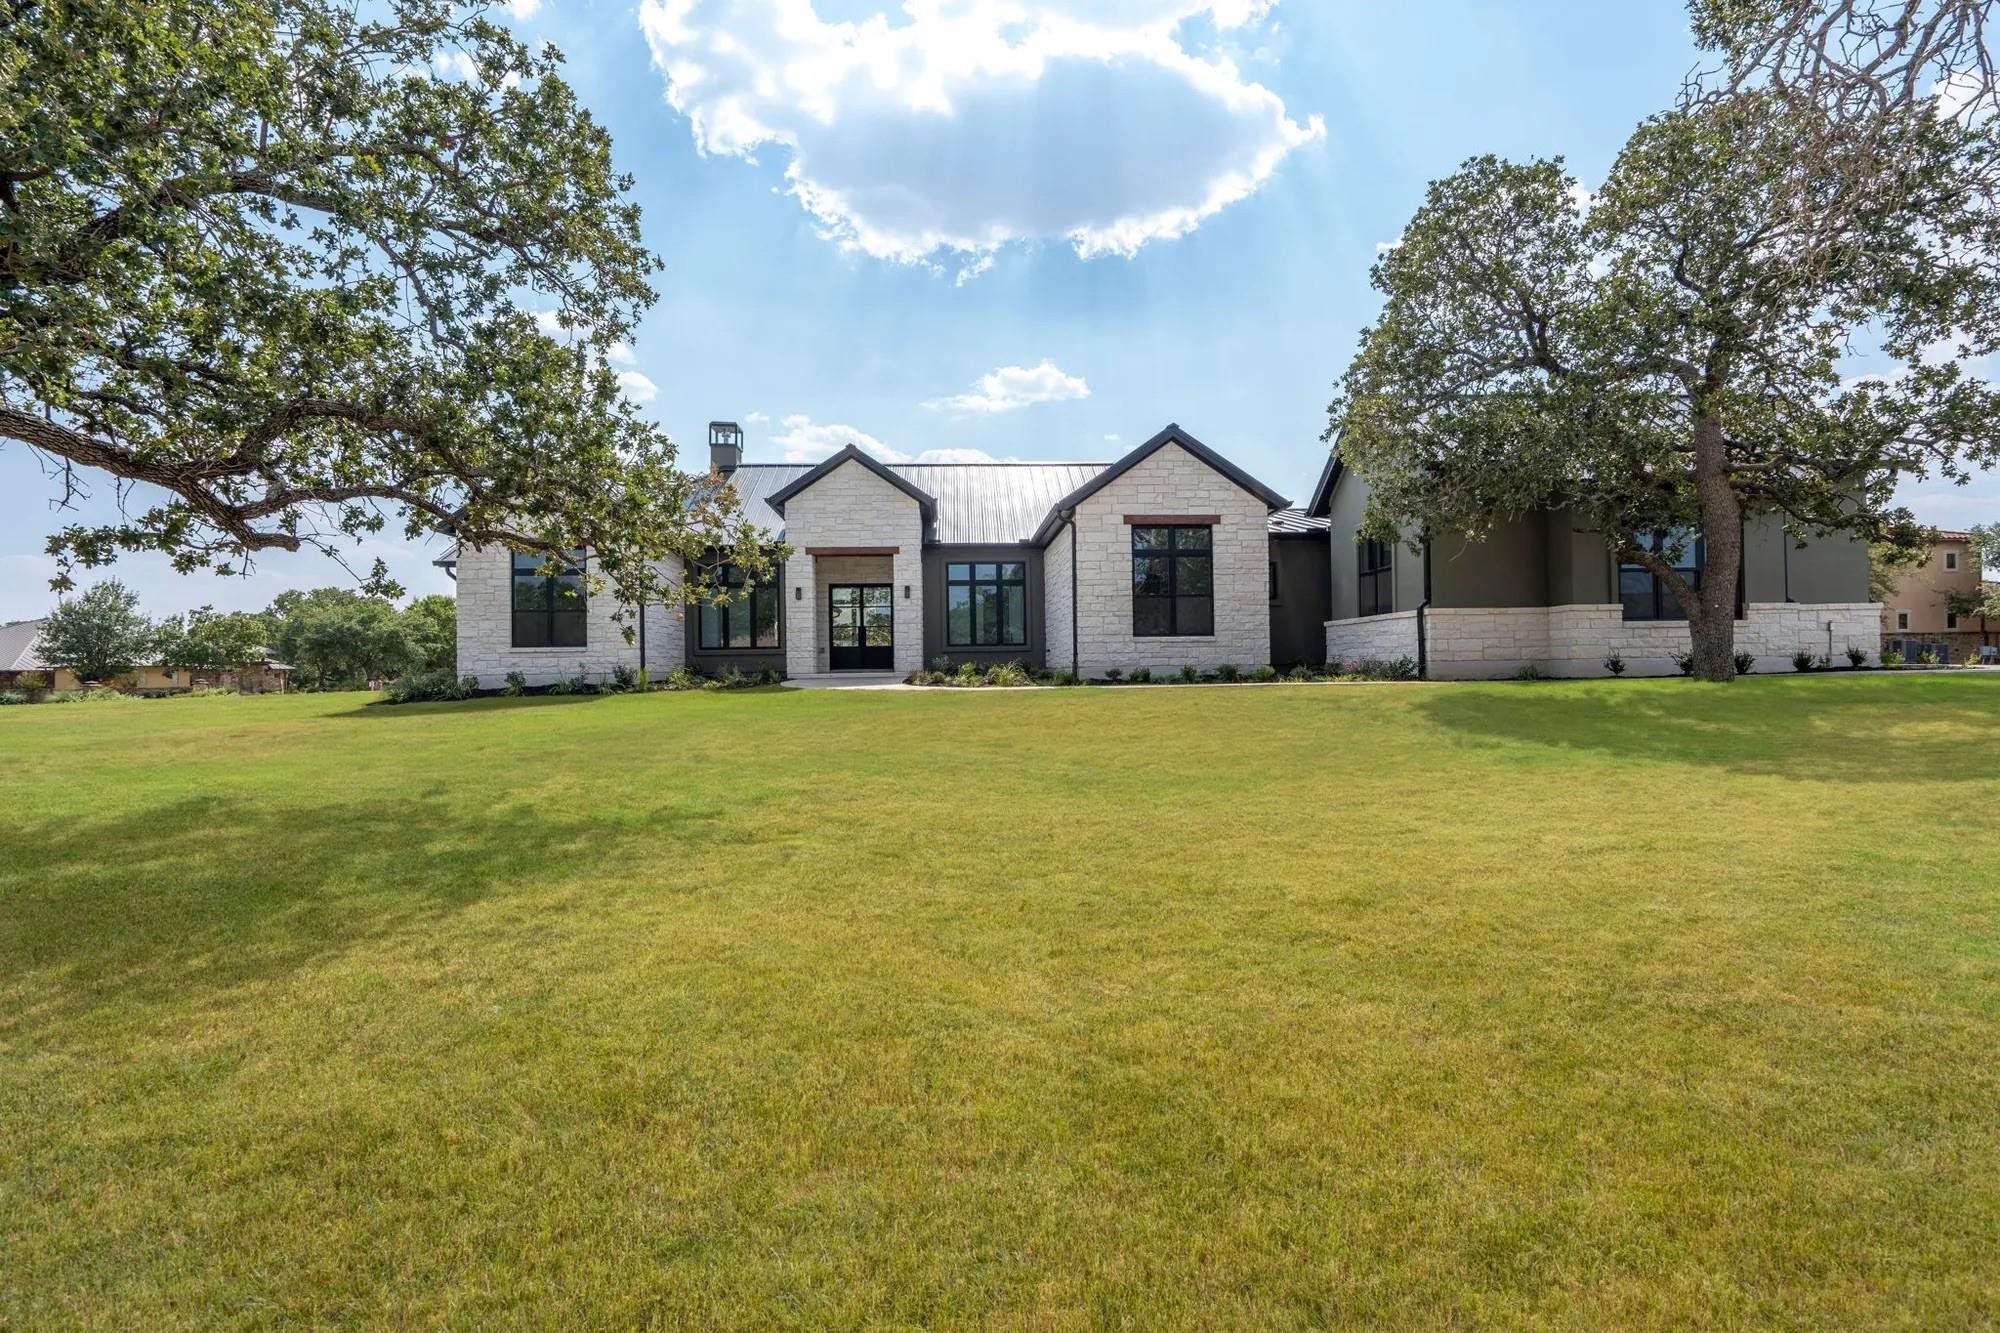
1301 608
1509 567
935 559
1828 568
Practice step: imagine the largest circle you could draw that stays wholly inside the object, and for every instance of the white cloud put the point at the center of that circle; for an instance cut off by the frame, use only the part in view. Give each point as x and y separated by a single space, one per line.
458 67
1384 247
757 419
973 270
1113 439
523 10
962 125
637 387
1011 388
807 441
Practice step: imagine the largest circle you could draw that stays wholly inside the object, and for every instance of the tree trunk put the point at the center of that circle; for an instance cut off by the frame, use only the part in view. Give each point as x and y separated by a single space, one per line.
1712 614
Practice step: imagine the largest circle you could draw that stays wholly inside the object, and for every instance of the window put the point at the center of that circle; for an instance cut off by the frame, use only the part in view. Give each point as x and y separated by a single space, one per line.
1644 594
1951 560
1378 578
1173 581
1902 620
548 607
1274 580
749 619
986 605
1951 620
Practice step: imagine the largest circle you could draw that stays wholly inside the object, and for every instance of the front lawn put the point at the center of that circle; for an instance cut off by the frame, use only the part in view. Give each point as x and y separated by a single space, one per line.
1623 1002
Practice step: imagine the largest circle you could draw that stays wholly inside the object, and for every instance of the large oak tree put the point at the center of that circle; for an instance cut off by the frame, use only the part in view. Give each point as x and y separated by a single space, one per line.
308 269
1673 357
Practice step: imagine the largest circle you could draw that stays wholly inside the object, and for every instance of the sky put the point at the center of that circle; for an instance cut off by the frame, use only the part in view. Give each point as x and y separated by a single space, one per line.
1033 229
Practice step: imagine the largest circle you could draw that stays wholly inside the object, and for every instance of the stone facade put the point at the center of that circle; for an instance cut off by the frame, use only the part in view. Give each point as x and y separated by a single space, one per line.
1170 481
486 629
1467 643
851 506
1057 605
1381 638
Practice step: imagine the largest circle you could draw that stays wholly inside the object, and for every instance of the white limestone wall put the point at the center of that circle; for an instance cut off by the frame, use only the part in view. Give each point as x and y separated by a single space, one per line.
851 506
1056 603
486 630
1172 481
1382 638
1478 644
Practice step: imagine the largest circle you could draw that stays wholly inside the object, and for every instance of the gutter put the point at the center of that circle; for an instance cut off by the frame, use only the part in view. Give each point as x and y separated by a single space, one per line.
1075 648
1423 610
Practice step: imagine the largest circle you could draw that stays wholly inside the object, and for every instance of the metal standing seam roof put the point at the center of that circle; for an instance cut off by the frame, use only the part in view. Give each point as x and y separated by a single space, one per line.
977 503
17 646
1297 523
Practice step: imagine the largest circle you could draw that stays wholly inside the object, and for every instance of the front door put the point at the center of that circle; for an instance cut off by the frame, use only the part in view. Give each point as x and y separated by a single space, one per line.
861 627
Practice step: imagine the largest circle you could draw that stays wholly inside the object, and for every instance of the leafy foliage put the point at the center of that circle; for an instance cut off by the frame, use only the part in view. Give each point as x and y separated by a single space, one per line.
206 639
430 624
98 634
1670 359
335 637
262 257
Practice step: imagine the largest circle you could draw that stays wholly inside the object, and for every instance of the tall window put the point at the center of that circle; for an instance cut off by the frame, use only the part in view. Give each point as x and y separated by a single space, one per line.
1644 594
1951 560
986 605
749 619
548 607
1378 578
1173 581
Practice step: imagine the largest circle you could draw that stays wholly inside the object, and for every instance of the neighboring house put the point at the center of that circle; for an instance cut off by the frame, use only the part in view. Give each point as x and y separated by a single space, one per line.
1163 558
1546 592
20 654
1917 612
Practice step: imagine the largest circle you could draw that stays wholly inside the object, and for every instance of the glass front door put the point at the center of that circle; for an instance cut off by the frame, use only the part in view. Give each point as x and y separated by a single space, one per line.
861 627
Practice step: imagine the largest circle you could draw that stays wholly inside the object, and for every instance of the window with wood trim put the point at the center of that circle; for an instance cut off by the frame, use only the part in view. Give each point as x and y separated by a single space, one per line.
986 604
749 619
548 601
1376 585
1173 581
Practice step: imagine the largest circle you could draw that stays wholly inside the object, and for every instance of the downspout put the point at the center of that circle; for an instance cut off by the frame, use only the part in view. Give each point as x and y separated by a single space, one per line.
1075 648
1423 610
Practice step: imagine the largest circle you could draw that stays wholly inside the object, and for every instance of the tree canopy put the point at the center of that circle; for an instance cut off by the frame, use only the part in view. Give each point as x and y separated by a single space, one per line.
208 640
1669 355
99 634
307 270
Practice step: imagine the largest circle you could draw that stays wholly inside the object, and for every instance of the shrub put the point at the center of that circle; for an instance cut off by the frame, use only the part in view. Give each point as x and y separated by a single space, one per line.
1802 661
623 678
32 683
1141 675
1615 664
1229 671
13 697
1927 657
1745 663
1856 658
1301 673
1265 674
680 678
1007 674
1891 658
768 675
212 691
1064 678
1188 674
1533 672
941 664
568 685
1822 663
1113 674
517 685
1685 661
732 678
429 686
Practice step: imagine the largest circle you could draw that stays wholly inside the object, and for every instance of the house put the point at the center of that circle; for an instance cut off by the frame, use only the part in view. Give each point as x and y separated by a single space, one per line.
1544 591
20 655
1917 613
1170 555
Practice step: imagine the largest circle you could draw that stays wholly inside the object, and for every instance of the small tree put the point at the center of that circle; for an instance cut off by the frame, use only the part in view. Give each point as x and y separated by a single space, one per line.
1669 361
338 638
430 625
98 634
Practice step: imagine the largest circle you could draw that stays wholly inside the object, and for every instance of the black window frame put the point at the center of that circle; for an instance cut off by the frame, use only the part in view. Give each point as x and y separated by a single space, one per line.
754 590
1176 556
530 567
1374 577
1658 596
1000 584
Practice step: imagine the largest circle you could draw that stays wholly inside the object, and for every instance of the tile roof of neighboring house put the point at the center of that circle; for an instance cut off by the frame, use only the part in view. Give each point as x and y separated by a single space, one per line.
1297 523
17 646
1944 536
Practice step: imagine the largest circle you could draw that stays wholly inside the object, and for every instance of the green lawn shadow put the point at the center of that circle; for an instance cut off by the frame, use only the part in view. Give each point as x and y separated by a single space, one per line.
1830 727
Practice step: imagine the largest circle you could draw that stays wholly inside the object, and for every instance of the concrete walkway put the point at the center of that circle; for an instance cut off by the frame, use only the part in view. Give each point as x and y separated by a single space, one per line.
850 680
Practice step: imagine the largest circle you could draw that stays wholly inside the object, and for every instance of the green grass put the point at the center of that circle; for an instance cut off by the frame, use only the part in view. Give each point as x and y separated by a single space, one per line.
1628 1003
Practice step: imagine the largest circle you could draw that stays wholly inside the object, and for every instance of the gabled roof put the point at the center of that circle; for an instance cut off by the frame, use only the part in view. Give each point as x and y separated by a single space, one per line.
17 645
995 504
1173 434
1321 503
853 454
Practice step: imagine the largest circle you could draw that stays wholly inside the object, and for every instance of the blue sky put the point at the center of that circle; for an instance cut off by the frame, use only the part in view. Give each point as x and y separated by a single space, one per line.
1026 228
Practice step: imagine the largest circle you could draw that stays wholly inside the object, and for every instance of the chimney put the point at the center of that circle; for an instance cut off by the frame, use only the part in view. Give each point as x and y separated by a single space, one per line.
725 446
